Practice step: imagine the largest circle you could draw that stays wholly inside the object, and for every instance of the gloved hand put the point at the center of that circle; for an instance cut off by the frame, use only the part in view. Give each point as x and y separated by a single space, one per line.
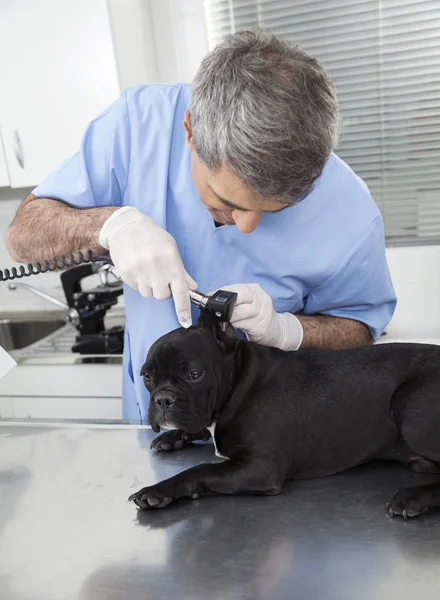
146 257
255 315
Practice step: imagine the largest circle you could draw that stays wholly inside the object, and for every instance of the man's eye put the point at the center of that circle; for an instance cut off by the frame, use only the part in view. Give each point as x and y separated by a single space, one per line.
193 375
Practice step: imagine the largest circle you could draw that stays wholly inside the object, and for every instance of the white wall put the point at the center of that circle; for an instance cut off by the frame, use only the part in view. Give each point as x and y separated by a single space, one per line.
158 40
180 37
133 40
416 278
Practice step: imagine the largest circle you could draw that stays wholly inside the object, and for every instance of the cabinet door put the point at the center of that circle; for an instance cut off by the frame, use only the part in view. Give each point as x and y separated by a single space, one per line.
4 175
57 72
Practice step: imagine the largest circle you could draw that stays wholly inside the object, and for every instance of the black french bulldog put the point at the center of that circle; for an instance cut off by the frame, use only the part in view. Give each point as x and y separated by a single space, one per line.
279 415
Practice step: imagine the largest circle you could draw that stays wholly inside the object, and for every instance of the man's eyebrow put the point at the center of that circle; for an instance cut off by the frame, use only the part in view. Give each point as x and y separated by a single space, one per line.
229 204
232 205
272 212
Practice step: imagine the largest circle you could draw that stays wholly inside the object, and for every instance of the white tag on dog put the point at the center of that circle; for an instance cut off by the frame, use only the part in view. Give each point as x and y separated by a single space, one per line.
7 363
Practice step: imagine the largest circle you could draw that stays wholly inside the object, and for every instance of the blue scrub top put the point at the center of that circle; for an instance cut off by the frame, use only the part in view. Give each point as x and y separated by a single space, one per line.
325 255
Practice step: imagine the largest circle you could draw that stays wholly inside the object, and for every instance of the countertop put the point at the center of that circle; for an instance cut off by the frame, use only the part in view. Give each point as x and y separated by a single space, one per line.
67 531
394 338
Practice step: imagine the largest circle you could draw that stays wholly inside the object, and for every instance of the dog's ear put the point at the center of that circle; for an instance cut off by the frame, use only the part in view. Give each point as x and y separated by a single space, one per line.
224 333
206 321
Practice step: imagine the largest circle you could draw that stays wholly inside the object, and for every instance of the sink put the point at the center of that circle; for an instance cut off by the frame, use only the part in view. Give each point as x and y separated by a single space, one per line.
18 333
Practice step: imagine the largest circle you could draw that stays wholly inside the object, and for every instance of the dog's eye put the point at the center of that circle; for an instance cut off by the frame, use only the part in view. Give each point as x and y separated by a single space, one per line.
147 379
193 375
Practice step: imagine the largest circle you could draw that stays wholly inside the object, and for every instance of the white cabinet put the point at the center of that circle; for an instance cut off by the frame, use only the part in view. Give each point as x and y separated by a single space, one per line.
4 175
57 72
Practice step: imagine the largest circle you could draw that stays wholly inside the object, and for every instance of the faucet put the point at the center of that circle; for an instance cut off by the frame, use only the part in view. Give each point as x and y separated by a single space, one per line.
105 272
72 313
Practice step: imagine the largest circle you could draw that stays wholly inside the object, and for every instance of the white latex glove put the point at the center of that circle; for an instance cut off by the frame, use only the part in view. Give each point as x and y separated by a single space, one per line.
255 315
146 257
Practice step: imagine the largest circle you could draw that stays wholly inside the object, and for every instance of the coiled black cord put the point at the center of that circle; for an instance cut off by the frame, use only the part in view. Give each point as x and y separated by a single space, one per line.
55 264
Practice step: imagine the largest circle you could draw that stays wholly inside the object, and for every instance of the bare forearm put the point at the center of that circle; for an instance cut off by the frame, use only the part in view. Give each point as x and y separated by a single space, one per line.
333 333
45 228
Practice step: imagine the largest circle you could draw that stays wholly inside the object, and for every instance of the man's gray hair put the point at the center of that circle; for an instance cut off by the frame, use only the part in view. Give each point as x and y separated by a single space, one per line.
266 110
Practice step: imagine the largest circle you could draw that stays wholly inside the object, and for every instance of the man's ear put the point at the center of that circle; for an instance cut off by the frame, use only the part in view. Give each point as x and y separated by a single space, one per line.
224 333
187 127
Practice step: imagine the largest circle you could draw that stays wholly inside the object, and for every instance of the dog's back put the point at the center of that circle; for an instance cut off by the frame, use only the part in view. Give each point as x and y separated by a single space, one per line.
322 411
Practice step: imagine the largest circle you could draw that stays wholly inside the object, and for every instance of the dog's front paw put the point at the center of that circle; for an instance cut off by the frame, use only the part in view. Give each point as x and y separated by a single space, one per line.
407 503
171 440
155 496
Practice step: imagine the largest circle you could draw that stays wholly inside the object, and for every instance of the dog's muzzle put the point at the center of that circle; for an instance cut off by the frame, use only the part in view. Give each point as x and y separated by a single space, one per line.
164 399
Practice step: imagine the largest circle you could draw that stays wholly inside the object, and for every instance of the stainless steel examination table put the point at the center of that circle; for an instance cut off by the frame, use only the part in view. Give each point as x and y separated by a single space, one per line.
68 533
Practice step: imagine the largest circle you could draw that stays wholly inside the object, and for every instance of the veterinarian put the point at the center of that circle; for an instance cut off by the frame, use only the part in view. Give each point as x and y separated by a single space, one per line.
231 182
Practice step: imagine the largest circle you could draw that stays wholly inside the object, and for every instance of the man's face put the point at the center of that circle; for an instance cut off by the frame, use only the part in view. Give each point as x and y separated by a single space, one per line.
227 198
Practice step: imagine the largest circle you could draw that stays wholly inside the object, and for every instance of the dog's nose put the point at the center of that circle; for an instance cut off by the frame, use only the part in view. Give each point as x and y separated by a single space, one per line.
164 399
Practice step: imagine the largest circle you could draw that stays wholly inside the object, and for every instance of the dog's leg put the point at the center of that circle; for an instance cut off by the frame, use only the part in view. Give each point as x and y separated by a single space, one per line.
230 477
416 411
177 439
411 502
419 464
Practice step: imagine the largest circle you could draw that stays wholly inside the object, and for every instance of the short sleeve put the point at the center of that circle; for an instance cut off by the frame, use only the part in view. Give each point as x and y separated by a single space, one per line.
361 289
97 174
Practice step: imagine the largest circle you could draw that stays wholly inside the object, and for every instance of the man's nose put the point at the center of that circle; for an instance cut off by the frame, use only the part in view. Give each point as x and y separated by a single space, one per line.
246 222
164 399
